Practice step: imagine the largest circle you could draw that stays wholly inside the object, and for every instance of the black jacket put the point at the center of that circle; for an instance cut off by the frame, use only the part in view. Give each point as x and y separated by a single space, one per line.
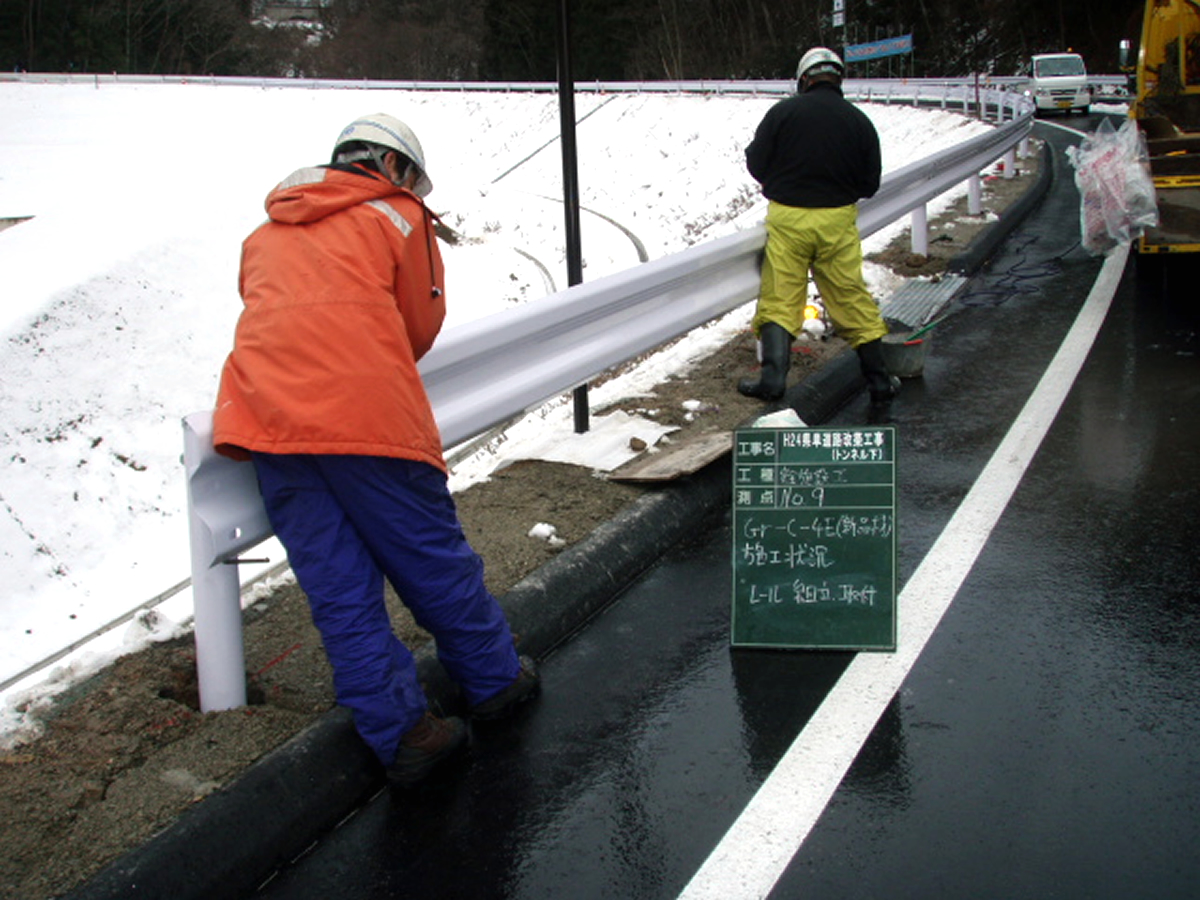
815 150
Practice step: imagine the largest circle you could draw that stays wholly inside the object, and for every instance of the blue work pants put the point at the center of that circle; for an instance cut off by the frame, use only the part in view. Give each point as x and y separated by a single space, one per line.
347 522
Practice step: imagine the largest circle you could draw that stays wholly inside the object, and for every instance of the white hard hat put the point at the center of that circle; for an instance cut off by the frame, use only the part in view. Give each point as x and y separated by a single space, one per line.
388 131
819 60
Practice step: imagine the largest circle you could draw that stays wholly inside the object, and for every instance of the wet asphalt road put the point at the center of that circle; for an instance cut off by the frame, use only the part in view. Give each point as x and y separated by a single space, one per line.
1045 744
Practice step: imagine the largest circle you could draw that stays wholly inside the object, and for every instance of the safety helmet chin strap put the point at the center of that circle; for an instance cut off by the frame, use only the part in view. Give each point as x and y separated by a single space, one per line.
375 153
411 168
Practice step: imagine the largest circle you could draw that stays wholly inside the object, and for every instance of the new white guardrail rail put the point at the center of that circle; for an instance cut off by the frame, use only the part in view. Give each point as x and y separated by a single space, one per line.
526 355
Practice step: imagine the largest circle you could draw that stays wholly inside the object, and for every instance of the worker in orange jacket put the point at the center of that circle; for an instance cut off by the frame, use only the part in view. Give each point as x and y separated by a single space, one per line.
343 293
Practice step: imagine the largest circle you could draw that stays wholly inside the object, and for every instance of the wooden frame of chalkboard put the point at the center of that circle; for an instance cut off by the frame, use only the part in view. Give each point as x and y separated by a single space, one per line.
814 538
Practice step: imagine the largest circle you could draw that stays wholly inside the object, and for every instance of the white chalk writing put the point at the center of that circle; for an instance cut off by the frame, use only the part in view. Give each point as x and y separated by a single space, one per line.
808 477
791 556
847 525
804 593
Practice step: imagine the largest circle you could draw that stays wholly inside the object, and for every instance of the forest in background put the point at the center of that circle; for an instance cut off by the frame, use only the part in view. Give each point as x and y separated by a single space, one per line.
514 40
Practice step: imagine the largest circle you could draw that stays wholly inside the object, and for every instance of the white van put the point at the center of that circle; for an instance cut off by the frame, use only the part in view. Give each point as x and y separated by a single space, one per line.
1059 81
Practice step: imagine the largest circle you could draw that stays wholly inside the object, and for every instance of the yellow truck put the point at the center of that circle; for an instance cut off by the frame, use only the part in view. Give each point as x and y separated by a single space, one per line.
1166 106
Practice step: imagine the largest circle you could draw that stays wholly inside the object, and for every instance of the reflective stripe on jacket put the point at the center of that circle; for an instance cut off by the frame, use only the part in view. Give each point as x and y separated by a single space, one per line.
343 293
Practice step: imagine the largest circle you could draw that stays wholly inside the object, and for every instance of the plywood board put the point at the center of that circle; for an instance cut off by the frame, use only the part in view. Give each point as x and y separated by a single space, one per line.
676 460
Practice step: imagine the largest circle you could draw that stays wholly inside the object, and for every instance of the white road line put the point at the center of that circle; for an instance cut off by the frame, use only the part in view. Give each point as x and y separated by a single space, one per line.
758 847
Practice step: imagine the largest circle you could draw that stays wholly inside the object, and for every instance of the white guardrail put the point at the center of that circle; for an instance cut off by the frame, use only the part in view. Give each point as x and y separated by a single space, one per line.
1106 83
540 350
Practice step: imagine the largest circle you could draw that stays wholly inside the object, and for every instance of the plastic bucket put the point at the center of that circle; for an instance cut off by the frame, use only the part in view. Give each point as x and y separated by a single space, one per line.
905 357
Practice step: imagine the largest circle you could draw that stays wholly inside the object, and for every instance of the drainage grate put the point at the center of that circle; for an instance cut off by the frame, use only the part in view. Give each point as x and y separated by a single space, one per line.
919 302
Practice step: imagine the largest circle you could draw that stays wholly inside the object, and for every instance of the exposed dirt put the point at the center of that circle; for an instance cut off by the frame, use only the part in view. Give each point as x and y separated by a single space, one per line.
123 754
952 231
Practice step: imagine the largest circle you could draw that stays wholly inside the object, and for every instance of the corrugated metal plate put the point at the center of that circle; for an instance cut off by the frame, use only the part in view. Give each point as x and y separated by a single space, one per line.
918 302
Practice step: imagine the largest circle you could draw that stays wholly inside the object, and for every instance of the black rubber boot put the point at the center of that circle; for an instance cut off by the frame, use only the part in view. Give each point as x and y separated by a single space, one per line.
882 385
776 357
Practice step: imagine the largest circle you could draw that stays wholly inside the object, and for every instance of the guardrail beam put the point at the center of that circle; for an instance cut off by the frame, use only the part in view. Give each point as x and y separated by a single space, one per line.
485 372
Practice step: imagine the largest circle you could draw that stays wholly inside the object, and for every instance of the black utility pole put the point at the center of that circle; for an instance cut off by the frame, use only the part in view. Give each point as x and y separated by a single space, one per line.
566 110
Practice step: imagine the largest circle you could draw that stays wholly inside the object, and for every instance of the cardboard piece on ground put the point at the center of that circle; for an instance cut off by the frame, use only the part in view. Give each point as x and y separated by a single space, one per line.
688 456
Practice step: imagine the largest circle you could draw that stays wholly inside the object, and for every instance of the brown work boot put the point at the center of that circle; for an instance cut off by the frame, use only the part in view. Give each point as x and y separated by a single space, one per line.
424 746
522 689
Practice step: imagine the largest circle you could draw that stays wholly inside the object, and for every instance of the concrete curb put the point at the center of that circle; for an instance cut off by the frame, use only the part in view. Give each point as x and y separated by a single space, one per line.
986 244
225 846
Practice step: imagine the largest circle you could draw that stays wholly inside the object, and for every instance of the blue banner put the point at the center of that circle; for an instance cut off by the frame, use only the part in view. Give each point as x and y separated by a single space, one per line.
878 49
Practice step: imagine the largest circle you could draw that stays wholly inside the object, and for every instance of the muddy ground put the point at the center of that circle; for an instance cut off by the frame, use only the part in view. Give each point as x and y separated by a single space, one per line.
122 755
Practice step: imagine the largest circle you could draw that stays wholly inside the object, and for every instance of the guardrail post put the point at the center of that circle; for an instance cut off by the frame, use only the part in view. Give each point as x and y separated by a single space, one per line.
919 226
216 591
1010 163
974 195
220 651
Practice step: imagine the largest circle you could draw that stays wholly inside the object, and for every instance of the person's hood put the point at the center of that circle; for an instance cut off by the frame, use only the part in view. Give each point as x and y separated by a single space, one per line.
314 193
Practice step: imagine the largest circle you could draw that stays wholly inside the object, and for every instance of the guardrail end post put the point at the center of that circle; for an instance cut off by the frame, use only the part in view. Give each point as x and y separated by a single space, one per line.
216 591
220 652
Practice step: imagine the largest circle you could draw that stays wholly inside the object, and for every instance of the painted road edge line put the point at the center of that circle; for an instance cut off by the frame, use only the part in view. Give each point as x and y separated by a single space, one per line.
760 844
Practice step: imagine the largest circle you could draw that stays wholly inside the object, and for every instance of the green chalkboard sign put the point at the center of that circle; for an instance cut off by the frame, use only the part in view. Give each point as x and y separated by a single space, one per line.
814 538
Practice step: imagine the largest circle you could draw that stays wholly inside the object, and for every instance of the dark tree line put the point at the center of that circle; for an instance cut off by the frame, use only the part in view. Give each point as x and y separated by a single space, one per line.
514 40
149 36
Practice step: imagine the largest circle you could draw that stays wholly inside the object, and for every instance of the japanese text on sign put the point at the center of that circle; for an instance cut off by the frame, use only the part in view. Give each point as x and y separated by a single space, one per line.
814 537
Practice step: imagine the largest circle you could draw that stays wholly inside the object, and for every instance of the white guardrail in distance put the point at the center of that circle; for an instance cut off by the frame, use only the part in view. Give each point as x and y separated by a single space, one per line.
1107 83
484 372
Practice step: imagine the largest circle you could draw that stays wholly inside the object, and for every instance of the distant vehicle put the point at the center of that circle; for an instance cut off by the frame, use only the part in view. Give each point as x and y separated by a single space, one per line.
1166 106
1059 81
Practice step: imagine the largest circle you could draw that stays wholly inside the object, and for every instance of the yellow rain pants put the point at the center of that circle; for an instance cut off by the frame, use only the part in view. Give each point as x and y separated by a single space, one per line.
825 242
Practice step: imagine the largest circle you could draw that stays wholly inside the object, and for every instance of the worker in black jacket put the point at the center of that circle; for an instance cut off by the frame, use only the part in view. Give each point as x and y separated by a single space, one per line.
815 155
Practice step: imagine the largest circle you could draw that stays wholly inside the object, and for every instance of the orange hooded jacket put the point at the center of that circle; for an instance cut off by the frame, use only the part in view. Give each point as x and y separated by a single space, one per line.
343 294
